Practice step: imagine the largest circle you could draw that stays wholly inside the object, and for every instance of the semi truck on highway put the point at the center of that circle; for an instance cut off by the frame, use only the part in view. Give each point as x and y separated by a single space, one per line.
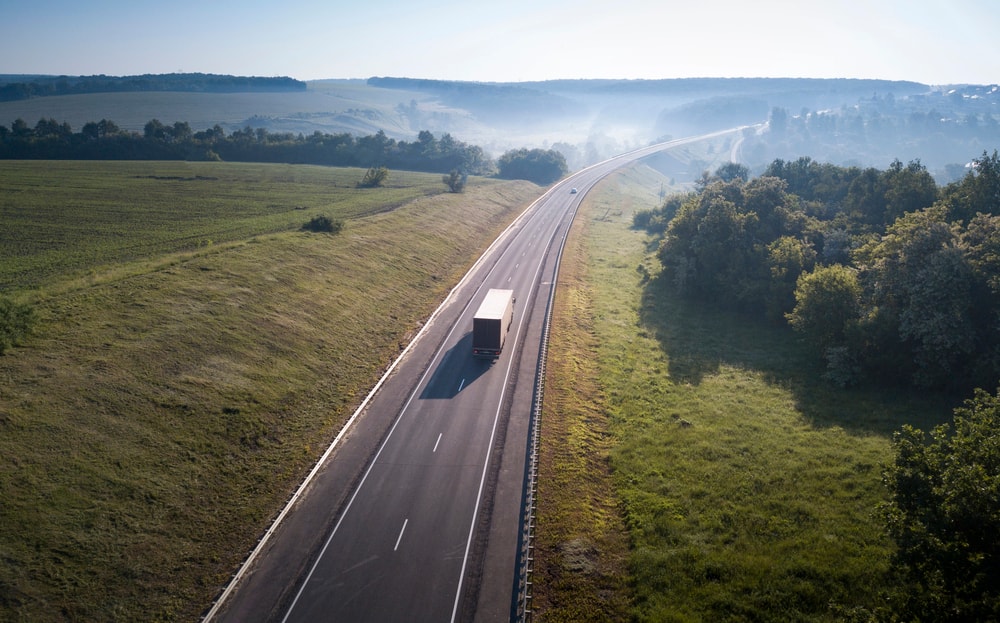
491 323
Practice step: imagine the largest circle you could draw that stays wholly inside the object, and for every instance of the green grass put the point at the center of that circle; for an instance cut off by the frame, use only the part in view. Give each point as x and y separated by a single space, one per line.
169 403
745 488
67 217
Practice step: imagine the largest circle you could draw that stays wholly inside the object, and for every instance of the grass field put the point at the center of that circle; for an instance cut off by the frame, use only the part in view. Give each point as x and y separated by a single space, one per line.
195 354
693 468
66 218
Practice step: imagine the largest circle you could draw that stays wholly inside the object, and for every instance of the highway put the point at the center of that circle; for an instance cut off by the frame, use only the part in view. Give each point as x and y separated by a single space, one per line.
414 512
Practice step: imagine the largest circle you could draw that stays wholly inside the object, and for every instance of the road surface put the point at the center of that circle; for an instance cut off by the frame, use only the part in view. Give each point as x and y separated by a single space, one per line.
414 512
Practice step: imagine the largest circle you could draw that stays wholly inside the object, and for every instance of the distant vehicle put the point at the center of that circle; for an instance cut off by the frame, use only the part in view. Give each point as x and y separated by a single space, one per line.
491 323
572 191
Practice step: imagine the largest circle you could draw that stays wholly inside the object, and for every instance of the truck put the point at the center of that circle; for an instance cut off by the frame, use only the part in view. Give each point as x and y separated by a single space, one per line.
491 323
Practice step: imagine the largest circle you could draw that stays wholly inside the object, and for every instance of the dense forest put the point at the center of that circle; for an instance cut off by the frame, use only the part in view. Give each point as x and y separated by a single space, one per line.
889 278
12 88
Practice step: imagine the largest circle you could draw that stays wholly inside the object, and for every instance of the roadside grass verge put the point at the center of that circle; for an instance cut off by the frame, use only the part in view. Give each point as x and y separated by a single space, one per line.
745 488
167 406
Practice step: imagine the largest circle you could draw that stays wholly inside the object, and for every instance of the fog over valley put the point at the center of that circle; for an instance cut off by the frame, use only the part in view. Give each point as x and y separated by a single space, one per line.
841 121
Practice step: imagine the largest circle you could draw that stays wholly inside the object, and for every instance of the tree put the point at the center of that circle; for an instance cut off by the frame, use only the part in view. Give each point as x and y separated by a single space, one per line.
978 192
455 181
865 200
713 239
428 145
777 123
541 166
181 131
154 129
944 515
107 128
907 189
732 171
917 278
91 130
827 301
787 258
20 128
52 128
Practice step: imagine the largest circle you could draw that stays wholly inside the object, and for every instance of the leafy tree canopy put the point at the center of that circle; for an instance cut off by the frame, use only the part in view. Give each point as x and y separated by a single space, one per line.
541 166
889 278
944 514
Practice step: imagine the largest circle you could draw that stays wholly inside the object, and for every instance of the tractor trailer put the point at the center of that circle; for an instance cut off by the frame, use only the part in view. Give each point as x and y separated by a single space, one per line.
491 323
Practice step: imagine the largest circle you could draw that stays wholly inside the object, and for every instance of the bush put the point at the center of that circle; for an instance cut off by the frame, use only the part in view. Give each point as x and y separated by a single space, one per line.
375 177
16 322
455 181
323 224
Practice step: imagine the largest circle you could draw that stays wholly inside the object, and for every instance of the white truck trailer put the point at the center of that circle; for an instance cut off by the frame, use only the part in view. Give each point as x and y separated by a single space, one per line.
491 323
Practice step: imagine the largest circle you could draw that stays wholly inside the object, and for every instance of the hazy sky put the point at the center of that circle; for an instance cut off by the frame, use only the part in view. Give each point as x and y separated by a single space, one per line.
930 41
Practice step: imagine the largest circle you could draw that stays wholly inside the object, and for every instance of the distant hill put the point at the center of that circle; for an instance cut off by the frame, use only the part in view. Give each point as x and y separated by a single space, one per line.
24 87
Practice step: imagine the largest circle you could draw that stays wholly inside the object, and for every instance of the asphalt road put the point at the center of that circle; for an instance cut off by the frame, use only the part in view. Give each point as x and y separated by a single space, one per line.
414 512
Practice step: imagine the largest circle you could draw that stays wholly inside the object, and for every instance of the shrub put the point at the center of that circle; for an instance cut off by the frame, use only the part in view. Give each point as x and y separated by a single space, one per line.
323 224
455 181
374 177
16 322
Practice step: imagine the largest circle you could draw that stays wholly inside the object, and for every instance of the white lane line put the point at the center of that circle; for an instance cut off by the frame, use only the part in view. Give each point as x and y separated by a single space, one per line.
461 385
436 443
405 521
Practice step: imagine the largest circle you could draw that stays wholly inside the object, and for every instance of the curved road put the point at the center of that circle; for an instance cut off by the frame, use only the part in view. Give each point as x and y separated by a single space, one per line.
413 514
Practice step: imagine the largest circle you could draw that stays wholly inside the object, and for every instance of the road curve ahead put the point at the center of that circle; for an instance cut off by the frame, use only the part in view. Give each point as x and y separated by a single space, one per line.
414 512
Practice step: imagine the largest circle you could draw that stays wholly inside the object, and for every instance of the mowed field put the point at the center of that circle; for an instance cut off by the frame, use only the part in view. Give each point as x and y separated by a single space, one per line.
693 466
195 353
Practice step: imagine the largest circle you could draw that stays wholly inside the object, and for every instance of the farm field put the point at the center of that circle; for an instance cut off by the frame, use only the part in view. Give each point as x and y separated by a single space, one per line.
195 353
693 467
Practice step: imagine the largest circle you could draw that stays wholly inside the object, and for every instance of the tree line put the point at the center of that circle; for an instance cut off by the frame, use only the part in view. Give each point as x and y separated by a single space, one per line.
105 140
882 273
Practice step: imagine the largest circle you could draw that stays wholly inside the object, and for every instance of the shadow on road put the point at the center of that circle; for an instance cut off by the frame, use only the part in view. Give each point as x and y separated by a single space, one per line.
458 369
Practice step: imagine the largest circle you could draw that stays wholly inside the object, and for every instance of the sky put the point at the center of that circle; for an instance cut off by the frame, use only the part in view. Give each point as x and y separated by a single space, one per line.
935 42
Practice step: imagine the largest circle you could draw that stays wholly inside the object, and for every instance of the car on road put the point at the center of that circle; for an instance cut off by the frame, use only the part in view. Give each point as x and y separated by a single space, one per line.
572 191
